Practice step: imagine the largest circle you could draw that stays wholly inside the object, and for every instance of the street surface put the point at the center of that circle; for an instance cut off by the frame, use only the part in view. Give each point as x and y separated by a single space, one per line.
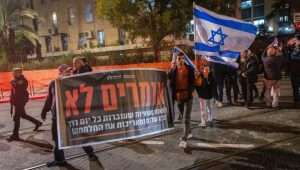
242 138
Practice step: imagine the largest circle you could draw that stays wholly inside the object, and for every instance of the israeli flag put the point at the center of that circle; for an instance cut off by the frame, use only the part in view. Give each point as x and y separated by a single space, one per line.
221 38
187 60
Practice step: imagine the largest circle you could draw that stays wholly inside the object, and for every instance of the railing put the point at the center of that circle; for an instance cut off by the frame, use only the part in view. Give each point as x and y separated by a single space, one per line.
96 50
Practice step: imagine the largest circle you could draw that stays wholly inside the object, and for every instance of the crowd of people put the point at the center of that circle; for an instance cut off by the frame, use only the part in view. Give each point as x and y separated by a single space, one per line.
208 81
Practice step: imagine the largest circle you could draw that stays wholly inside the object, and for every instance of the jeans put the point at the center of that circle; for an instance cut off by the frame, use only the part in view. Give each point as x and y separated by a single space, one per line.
185 109
205 110
272 92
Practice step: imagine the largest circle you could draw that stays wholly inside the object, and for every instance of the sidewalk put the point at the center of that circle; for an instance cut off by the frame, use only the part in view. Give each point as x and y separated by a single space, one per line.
241 139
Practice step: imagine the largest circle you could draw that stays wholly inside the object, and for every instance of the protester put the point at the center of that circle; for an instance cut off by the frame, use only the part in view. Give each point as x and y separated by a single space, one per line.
181 81
231 84
273 64
80 65
50 105
18 99
219 72
247 76
294 66
206 92
87 67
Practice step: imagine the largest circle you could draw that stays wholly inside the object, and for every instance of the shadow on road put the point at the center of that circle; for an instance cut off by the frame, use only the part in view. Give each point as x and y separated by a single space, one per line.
259 126
37 145
259 159
137 147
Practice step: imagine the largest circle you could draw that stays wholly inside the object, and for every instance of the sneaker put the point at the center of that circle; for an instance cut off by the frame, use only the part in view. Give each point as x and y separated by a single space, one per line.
190 135
37 126
183 144
56 163
202 124
13 138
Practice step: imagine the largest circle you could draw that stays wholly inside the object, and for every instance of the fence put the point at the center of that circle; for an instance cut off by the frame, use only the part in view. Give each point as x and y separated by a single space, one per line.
38 80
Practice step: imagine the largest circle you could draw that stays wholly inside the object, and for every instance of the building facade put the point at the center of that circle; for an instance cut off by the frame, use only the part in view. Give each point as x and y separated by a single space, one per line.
70 25
258 12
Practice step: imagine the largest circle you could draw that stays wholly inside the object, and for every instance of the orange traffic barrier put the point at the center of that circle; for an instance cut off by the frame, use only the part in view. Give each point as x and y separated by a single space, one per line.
39 79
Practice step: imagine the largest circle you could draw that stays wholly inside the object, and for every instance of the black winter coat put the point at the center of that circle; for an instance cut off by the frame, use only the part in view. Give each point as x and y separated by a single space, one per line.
19 94
50 103
208 87
250 69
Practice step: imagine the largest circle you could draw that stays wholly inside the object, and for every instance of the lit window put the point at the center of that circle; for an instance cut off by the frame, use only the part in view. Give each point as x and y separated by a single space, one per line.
259 22
54 18
270 28
101 38
246 4
281 19
71 17
88 13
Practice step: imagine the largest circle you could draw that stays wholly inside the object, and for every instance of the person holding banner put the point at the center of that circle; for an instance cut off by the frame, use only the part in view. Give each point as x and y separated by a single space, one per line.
18 99
50 105
182 79
80 65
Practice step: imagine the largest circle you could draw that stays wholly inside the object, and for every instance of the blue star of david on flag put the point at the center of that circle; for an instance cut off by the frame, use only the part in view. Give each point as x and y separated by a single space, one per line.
217 37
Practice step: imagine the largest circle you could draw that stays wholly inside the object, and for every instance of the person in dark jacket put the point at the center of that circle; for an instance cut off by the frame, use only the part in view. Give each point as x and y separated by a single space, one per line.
273 64
181 81
294 66
219 73
50 105
206 92
247 75
18 99
231 83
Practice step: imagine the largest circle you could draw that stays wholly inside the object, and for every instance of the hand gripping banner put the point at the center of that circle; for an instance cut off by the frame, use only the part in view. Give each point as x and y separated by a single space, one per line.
102 107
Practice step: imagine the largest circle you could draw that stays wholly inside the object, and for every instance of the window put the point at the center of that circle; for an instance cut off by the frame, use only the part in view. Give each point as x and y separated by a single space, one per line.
64 41
54 19
82 43
36 25
246 4
101 38
48 44
71 16
246 13
285 18
259 22
258 2
88 13
259 11
122 36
